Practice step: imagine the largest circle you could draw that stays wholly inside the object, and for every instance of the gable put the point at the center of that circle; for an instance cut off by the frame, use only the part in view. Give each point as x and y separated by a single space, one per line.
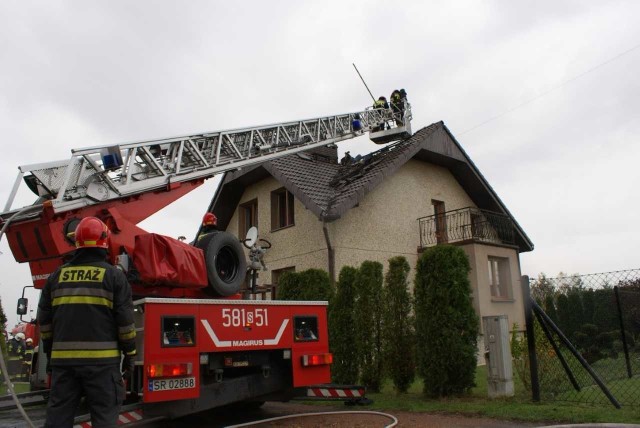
329 190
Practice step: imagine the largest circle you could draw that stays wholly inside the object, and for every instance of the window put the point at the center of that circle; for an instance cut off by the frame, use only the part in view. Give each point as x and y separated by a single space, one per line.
305 328
281 209
247 217
178 331
441 221
500 277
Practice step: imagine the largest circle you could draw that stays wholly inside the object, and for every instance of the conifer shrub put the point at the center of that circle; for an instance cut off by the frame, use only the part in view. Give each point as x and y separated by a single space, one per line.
289 286
398 325
3 325
342 330
446 323
311 284
368 323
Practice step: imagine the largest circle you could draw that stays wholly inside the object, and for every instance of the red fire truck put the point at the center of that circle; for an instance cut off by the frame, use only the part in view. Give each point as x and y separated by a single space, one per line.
201 342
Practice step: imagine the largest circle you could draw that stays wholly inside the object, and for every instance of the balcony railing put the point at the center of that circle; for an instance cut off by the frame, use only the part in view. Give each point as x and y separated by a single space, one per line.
466 224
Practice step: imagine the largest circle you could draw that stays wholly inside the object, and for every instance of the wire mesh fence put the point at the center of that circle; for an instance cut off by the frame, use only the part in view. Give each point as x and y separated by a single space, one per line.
599 314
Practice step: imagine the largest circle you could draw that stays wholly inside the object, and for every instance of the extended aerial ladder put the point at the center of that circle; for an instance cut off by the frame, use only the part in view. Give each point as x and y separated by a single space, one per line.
194 353
126 183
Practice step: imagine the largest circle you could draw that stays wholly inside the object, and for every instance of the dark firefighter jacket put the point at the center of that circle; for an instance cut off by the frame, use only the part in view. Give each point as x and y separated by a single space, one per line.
86 313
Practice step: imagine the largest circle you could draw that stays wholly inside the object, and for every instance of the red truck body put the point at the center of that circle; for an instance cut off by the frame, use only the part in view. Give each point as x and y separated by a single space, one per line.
211 352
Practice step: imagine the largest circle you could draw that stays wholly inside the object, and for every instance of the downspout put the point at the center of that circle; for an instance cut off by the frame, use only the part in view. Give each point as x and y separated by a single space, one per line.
331 254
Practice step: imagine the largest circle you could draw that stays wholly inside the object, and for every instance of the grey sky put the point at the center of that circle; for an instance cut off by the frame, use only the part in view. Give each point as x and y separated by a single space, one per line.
79 73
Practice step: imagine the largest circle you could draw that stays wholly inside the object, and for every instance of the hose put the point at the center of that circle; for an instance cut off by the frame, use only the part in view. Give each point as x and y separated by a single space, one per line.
279 418
3 365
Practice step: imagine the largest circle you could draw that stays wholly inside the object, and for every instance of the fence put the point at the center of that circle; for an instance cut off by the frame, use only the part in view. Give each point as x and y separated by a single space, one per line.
599 314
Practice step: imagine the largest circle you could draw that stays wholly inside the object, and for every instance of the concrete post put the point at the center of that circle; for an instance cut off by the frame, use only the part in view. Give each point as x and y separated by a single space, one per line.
498 356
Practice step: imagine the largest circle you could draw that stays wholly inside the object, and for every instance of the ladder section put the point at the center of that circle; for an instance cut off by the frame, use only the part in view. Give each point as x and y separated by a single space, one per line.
99 174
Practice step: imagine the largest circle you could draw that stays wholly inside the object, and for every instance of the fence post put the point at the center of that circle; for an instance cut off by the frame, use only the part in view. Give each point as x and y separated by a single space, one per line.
623 333
531 340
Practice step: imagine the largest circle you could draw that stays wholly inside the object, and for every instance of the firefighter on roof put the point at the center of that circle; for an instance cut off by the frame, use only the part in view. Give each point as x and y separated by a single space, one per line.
381 102
86 321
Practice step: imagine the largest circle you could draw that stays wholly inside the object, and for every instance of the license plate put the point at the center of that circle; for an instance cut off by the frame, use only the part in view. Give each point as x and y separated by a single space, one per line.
171 384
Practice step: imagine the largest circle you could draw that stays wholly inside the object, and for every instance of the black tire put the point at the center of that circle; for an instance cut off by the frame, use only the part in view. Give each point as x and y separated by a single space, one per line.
225 261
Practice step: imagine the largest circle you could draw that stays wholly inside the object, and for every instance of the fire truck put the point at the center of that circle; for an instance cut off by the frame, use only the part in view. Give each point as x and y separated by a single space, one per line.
202 341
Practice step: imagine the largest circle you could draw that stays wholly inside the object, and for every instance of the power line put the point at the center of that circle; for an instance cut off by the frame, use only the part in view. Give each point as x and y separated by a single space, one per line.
553 88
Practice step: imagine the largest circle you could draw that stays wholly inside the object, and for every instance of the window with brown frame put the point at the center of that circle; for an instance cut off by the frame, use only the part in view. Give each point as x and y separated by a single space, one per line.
247 217
282 214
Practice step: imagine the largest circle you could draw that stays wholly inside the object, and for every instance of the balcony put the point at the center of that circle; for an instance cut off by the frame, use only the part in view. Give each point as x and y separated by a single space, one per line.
466 225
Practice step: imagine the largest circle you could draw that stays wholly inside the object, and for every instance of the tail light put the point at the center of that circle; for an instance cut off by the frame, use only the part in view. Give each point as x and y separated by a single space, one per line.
169 370
317 360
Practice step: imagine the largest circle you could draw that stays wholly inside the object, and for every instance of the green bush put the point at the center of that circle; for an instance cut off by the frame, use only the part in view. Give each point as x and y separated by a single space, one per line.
342 330
446 323
3 326
311 284
368 322
398 327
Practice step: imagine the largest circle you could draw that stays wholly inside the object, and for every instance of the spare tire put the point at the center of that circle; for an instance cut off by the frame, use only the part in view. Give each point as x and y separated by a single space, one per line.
225 261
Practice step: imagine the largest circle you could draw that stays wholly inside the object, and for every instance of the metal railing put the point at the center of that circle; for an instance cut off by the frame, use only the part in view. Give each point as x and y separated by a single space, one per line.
466 224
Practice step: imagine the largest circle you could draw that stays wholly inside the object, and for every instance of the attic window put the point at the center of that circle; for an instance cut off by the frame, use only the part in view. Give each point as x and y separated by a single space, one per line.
282 213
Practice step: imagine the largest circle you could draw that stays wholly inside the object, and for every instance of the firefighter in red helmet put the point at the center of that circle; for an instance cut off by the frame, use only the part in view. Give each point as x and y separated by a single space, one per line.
86 322
209 225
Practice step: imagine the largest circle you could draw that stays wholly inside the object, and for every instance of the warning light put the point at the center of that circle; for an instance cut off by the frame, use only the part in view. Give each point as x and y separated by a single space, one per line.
317 360
169 370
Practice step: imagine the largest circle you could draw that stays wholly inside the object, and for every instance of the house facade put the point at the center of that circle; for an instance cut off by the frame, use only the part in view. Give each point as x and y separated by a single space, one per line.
321 213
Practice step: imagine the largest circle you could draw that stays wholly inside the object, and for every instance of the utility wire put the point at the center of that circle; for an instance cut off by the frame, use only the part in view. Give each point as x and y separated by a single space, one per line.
553 88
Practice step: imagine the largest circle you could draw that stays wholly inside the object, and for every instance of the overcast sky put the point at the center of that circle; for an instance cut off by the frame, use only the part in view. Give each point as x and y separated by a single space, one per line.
560 76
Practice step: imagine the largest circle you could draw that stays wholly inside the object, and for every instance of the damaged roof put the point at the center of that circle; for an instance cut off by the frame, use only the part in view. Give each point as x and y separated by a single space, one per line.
329 189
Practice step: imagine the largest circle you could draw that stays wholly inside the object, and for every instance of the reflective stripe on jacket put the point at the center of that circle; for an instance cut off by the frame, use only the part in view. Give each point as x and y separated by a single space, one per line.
86 313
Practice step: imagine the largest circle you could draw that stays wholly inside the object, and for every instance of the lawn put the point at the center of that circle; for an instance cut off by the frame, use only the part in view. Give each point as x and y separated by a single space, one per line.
18 387
520 407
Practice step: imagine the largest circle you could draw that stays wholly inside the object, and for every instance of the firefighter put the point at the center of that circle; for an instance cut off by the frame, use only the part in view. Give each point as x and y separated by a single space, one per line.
16 348
86 321
397 105
28 359
381 102
209 225
17 345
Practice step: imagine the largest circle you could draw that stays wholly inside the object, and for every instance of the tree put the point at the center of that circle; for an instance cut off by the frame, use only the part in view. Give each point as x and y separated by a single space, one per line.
3 325
342 329
576 314
564 312
368 322
550 308
541 288
446 323
398 325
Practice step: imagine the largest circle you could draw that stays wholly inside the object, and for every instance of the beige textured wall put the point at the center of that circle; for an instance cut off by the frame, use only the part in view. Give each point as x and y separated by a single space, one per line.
305 238
484 303
385 223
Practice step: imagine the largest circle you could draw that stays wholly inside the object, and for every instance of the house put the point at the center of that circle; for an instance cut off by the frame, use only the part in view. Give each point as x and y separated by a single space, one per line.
399 200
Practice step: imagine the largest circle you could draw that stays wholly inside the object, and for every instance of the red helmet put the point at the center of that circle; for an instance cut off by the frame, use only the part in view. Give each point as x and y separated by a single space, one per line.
209 219
91 232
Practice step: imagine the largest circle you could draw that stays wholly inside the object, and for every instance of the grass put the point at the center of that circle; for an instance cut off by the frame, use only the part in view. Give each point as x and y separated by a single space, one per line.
18 387
520 407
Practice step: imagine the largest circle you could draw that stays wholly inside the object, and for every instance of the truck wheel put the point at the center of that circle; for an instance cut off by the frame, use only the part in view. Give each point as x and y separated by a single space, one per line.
225 261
